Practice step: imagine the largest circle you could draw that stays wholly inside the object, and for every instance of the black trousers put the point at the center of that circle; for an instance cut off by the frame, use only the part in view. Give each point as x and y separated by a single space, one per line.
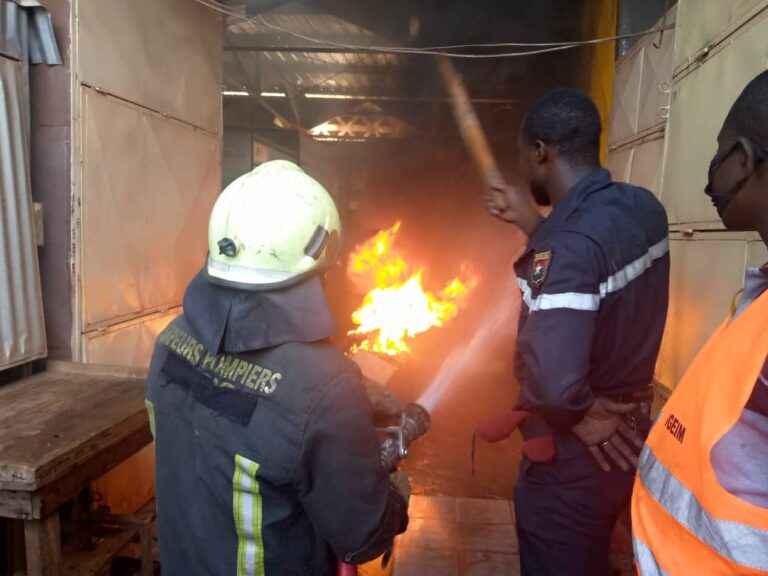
565 513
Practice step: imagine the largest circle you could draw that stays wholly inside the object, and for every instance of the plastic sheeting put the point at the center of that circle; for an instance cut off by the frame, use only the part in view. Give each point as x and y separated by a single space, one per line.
26 32
26 37
22 330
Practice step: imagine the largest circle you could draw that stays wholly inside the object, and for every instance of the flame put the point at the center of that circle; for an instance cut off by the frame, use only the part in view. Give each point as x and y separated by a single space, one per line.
398 307
374 262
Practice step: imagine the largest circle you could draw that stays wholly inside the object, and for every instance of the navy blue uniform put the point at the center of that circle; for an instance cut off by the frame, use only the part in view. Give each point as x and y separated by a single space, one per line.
594 282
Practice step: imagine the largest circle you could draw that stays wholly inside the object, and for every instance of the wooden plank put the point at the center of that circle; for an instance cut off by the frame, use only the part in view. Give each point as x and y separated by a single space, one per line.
54 494
43 546
96 369
98 560
53 422
144 551
36 504
15 504
147 560
137 551
144 516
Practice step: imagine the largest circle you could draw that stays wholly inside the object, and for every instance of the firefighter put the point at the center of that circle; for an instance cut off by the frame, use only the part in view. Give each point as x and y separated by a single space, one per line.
267 458
594 284
700 504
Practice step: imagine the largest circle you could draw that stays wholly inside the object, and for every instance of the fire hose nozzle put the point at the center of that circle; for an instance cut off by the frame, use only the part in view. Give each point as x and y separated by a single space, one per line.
414 422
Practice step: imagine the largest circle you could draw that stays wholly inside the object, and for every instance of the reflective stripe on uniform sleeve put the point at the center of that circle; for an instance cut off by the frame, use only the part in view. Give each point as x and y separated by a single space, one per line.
591 302
572 300
740 543
634 269
247 508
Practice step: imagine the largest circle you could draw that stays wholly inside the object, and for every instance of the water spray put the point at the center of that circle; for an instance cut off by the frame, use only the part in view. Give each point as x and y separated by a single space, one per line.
461 358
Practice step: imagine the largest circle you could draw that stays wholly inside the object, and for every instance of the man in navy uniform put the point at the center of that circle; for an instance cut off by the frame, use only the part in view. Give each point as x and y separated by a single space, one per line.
594 282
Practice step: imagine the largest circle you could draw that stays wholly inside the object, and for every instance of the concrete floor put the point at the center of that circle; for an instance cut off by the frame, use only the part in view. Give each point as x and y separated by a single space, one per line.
471 537
458 536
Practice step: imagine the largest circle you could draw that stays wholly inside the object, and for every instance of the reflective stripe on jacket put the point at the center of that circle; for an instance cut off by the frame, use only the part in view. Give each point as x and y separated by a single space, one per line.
684 522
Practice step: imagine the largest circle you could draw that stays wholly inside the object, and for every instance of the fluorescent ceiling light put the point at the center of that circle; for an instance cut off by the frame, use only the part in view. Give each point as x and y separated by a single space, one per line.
272 94
235 93
320 95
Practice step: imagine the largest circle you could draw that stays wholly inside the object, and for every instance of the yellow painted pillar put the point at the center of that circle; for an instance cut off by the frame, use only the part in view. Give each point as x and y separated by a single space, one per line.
600 18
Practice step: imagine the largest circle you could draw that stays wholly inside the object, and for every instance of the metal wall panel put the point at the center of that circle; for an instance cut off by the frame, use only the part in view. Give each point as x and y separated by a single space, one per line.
126 345
620 164
22 330
647 161
757 254
112 208
702 22
148 184
626 97
183 170
656 80
701 101
164 55
642 86
706 275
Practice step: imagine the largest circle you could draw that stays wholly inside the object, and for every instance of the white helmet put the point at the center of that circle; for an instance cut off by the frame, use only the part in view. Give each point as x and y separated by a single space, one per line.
272 227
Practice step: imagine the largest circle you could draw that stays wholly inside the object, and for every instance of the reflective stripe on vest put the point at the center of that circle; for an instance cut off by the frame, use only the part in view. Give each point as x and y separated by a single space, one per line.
684 521
646 563
740 543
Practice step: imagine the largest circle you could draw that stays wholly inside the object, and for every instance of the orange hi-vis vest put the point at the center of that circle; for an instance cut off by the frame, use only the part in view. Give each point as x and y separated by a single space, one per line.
684 522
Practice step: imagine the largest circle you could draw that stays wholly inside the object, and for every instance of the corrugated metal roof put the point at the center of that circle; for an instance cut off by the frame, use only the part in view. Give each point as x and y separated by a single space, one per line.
324 26
22 329
26 32
343 72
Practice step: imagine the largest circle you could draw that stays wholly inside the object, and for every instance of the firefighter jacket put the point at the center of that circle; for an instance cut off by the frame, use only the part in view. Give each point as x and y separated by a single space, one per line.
684 521
594 282
267 459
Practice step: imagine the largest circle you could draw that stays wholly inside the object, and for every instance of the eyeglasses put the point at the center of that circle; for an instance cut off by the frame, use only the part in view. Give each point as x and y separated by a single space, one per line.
760 153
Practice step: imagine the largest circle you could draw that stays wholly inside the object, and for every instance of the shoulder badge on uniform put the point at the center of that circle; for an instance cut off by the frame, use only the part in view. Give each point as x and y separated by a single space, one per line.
541 261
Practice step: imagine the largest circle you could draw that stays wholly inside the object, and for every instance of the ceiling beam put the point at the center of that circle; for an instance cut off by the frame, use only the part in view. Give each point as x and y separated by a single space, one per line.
318 96
309 49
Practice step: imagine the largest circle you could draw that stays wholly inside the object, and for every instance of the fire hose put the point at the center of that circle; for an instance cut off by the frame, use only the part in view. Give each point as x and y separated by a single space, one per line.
414 423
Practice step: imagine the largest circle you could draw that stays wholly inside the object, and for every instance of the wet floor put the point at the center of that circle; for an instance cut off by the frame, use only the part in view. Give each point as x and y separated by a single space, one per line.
440 463
472 537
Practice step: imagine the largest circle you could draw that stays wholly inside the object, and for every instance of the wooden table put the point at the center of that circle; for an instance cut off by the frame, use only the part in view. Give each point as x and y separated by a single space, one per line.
59 431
